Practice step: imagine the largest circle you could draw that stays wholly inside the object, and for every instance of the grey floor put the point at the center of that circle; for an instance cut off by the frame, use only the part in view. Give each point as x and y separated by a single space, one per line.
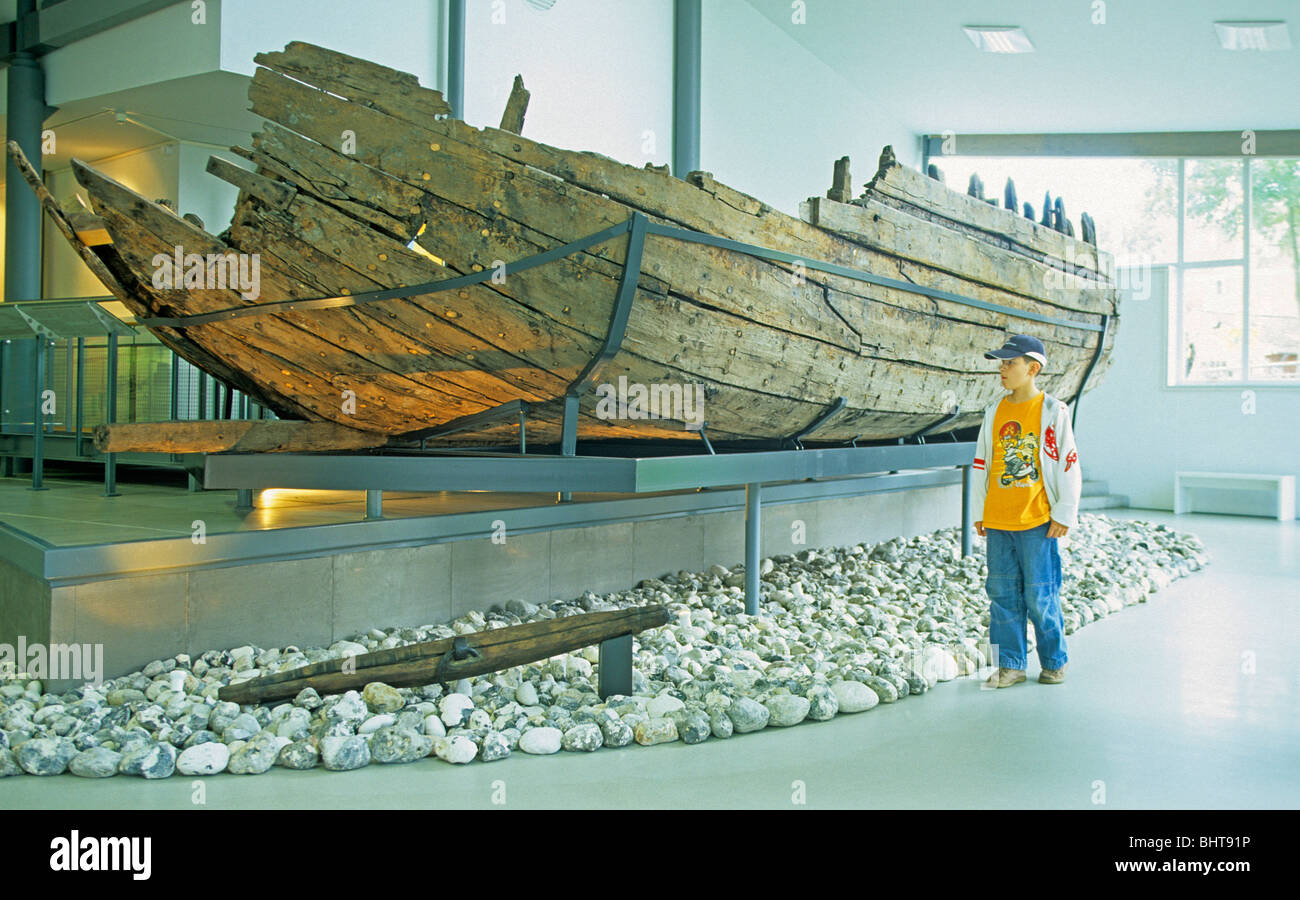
1188 701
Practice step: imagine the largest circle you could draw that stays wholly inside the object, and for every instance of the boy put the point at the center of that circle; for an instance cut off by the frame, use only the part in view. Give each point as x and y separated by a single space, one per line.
1029 499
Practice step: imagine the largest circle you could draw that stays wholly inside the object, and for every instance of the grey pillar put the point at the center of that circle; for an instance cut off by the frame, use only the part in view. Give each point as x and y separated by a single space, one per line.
456 57
686 86
615 675
38 418
374 505
753 533
966 523
24 120
110 414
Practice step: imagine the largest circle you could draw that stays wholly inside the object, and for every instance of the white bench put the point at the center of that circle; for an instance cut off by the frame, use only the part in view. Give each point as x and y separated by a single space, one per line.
1281 486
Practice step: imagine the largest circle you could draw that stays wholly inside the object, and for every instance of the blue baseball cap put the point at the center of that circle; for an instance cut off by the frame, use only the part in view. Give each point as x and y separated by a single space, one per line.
1020 345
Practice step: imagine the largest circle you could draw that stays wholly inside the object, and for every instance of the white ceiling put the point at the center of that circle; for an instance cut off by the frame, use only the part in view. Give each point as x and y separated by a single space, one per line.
1155 65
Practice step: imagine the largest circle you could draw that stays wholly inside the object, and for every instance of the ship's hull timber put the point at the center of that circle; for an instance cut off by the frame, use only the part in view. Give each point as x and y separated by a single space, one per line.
773 344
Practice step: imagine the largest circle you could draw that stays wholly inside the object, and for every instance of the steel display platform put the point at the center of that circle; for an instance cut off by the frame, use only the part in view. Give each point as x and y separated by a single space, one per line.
452 470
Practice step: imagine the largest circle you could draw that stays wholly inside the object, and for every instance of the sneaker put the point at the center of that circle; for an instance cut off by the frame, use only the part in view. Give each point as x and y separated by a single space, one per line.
1052 676
1005 678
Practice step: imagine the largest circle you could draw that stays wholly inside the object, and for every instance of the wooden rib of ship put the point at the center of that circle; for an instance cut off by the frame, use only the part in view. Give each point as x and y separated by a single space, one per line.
777 343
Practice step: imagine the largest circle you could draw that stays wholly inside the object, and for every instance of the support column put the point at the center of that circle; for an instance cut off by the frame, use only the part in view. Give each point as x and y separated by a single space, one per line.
110 415
966 523
456 58
25 118
687 29
753 533
38 418
374 505
615 667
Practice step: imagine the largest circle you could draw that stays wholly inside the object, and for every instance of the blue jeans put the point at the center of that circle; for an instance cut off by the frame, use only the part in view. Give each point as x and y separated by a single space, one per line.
1025 581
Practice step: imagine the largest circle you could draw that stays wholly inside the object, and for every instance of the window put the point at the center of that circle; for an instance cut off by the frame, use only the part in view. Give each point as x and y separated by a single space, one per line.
1228 226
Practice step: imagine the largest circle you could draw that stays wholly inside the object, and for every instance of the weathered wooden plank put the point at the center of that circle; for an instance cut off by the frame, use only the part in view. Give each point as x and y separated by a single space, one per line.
900 234
512 119
482 181
416 664
903 184
276 194
368 83
240 436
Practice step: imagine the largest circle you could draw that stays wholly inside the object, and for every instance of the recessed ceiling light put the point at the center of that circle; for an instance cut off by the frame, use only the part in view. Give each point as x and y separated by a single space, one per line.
999 38
1253 35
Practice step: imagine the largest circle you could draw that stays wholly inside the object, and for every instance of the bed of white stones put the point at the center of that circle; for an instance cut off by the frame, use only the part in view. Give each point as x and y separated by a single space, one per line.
841 630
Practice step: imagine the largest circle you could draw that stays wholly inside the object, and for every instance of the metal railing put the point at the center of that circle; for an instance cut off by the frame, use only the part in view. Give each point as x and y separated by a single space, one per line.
70 365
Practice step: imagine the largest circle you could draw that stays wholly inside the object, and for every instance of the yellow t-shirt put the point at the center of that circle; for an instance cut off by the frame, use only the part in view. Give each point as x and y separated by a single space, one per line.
1017 500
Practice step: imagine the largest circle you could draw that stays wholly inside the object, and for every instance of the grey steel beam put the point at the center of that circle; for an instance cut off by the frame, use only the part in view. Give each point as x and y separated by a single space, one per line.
456 58
753 538
71 565
38 417
543 474
967 485
59 24
374 505
110 415
677 473
687 44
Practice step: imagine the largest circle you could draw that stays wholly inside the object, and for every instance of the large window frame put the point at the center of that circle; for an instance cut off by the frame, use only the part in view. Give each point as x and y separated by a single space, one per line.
1182 147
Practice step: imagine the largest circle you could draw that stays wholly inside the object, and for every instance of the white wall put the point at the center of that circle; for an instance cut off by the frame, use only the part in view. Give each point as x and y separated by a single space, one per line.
400 34
207 196
1135 433
599 73
775 117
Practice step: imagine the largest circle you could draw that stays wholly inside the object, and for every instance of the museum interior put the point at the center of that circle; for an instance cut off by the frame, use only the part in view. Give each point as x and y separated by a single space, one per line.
655 404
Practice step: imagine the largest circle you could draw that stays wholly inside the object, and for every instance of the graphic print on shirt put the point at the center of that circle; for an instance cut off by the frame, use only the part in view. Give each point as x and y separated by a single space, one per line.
1019 456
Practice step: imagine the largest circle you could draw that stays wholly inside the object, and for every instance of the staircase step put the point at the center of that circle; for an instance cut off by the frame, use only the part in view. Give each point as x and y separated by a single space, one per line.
1095 488
1103 501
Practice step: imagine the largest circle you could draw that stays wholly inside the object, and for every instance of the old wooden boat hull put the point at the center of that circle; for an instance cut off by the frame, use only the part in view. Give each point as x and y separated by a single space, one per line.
778 342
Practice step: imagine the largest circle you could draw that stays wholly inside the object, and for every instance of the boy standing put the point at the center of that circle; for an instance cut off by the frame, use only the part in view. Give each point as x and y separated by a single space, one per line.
1029 499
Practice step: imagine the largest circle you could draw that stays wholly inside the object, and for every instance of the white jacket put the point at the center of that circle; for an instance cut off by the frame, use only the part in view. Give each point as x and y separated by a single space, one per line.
1058 460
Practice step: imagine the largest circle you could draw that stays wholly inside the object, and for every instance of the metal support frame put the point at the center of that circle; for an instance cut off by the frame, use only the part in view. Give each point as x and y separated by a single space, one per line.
829 413
110 416
81 392
541 473
1092 364
38 417
967 485
615 672
753 538
374 505
613 337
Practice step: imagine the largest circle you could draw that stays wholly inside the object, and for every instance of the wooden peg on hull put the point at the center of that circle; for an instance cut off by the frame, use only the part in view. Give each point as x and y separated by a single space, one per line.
512 119
1010 201
841 182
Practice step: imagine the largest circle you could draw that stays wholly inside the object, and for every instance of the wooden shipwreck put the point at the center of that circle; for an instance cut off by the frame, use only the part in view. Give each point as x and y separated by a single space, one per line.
866 318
